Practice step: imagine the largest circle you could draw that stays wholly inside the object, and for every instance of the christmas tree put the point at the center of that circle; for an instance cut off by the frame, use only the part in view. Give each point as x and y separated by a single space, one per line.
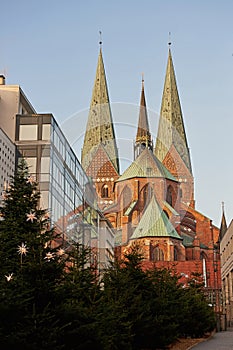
31 266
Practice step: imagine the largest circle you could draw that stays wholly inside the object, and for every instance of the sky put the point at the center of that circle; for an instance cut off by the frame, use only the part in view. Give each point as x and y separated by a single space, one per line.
50 48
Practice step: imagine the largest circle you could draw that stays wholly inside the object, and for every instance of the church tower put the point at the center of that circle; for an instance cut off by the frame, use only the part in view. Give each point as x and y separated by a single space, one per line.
143 137
171 143
99 152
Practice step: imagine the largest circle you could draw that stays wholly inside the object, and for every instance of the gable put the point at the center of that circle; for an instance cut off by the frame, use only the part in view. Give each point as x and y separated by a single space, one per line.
101 165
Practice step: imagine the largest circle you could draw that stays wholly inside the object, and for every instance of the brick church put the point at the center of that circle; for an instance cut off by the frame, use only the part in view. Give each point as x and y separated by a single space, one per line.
152 203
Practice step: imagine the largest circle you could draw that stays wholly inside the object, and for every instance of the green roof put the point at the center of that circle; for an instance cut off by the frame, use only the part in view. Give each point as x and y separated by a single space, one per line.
130 208
146 165
172 210
154 223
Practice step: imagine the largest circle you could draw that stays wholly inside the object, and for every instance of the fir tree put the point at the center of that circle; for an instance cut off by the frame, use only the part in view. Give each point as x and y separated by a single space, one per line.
30 265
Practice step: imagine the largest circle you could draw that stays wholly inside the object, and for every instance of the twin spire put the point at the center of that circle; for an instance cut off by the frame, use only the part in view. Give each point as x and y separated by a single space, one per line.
171 131
100 129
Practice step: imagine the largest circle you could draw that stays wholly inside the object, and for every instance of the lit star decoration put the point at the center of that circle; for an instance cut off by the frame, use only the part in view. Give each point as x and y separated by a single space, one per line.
49 256
4 195
30 180
60 252
9 277
22 249
31 216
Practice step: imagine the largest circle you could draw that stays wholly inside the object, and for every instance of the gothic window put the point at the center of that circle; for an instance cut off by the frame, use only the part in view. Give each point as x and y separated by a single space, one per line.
105 191
169 195
175 254
203 256
157 254
127 197
147 194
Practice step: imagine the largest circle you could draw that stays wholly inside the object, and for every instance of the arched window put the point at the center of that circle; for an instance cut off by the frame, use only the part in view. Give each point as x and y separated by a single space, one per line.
169 198
203 256
105 191
147 194
127 197
157 254
175 254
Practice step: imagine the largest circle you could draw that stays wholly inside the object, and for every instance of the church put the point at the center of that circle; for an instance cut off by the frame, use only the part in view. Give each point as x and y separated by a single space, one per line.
152 203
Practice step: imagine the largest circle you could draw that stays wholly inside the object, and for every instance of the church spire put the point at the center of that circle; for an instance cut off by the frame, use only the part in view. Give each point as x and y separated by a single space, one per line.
100 130
223 227
171 129
143 137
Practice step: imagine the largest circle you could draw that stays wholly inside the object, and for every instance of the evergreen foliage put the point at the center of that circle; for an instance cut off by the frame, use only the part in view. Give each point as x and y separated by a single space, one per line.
52 298
30 267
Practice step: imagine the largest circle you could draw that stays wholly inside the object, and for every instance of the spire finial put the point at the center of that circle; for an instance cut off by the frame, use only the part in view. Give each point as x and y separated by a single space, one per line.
169 39
100 40
223 204
142 79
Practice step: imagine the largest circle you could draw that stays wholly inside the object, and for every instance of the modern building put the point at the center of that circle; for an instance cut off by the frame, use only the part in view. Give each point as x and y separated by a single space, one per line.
13 101
65 188
152 203
7 160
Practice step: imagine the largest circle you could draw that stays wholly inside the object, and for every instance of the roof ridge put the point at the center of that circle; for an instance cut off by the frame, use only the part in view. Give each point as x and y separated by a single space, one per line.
154 223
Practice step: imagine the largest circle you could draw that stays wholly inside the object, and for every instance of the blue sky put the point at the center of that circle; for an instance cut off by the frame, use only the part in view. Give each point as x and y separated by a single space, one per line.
51 47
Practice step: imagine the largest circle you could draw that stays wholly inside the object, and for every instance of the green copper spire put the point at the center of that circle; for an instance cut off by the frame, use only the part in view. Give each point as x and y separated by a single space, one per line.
100 125
171 129
143 137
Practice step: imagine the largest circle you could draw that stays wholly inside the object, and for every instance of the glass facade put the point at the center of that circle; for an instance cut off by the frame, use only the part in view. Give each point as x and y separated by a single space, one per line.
7 161
65 188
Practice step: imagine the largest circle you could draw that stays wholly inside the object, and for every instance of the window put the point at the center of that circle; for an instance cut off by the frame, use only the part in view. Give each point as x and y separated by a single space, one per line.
45 163
147 194
157 254
169 196
44 199
28 132
104 191
46 131
127 197
175 254
31 162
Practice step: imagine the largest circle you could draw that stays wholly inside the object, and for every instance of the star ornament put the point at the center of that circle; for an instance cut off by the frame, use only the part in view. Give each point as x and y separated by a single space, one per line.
9 277
31 216
30 180
60 252
22 249
4 195
49 256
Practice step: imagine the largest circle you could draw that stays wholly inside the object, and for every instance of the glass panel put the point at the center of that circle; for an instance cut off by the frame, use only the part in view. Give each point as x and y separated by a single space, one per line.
28 132
44 199
45 162
31 162
46 131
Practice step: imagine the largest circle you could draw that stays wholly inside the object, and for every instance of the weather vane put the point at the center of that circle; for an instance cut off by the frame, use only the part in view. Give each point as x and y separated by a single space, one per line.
169 39
223 206
100 42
